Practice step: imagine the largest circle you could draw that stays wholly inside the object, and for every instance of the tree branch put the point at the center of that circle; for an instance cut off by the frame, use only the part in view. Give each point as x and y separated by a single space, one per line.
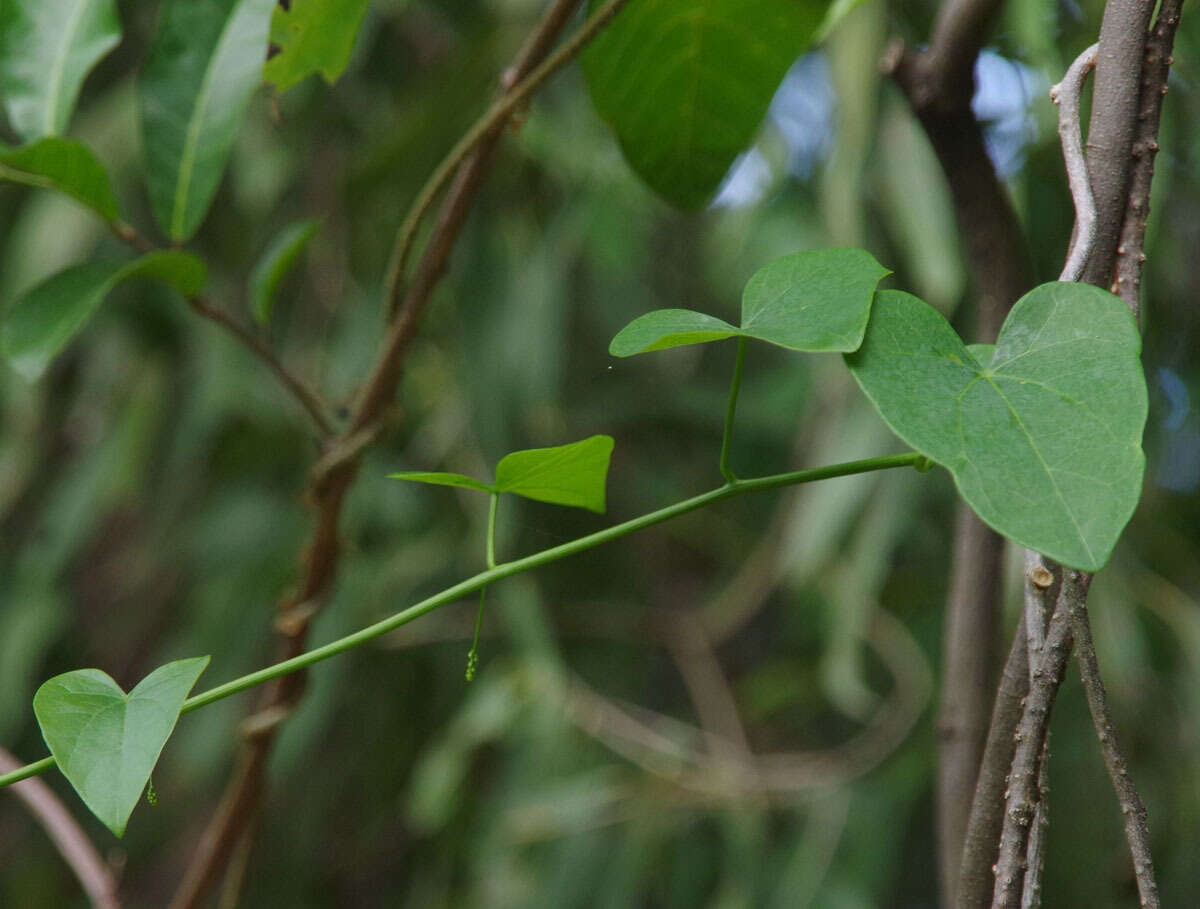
467 162
939 83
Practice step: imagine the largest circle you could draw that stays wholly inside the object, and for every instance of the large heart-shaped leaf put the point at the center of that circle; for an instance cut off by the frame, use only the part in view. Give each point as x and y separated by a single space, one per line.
106 742
685 83
816 300
203 68
47 48
65 165
313 36
46 318
573 474
1044 439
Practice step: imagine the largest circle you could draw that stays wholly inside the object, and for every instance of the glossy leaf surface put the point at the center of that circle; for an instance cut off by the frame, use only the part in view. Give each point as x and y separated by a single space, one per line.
816 300
314 36
684 84
274 265
106 742
42 322
1043 440
63 165
47 48
573 474
203 68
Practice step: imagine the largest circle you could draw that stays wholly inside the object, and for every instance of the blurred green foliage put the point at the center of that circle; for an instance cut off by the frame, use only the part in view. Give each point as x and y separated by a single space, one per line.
150 510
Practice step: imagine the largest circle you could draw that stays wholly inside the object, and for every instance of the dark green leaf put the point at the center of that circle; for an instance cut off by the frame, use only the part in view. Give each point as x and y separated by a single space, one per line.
441 479
275 263
43 321
665 328
816 300
313 36
47 48
203 68
65 165
685 83
572 474
106 742
1044 441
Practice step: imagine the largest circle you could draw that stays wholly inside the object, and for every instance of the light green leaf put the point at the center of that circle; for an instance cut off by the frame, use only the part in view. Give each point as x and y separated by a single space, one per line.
816 300
203 68
64 165
982 353
664 328
572 474
313 36
1044 440
43 321
106 742
47 48
441 479
275 263
684 84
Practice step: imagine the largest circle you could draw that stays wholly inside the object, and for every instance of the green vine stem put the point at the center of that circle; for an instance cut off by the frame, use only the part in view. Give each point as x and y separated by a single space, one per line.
735 386
508 569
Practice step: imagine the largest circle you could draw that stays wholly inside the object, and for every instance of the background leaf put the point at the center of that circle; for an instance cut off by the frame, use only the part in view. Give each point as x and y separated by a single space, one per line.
65 165
313 36
572 474
106 742
1044 442
274 265
47 48
44 320
685 83
441 479
202 71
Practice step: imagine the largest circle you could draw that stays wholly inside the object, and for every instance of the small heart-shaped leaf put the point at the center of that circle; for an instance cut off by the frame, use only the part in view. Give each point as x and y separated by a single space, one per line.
46 318
1044 439
441 479
816 300
65 165
106 742
572 474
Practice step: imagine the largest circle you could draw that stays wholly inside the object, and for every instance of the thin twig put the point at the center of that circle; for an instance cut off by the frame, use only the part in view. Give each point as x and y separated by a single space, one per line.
1137 834
1066 95
1023 788
307 398
1035 850
72 843
1131 248
493 119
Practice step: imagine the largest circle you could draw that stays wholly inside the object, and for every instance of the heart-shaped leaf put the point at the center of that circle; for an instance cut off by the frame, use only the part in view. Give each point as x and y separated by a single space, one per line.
442 479
47 48
203 68
1043 440
816 300
313 36
572 474
65 165
276 262
106 742
685 83
42 322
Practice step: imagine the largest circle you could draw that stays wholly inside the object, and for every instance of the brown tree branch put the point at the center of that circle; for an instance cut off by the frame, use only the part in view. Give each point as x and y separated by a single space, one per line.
72 843
467 163
939 83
